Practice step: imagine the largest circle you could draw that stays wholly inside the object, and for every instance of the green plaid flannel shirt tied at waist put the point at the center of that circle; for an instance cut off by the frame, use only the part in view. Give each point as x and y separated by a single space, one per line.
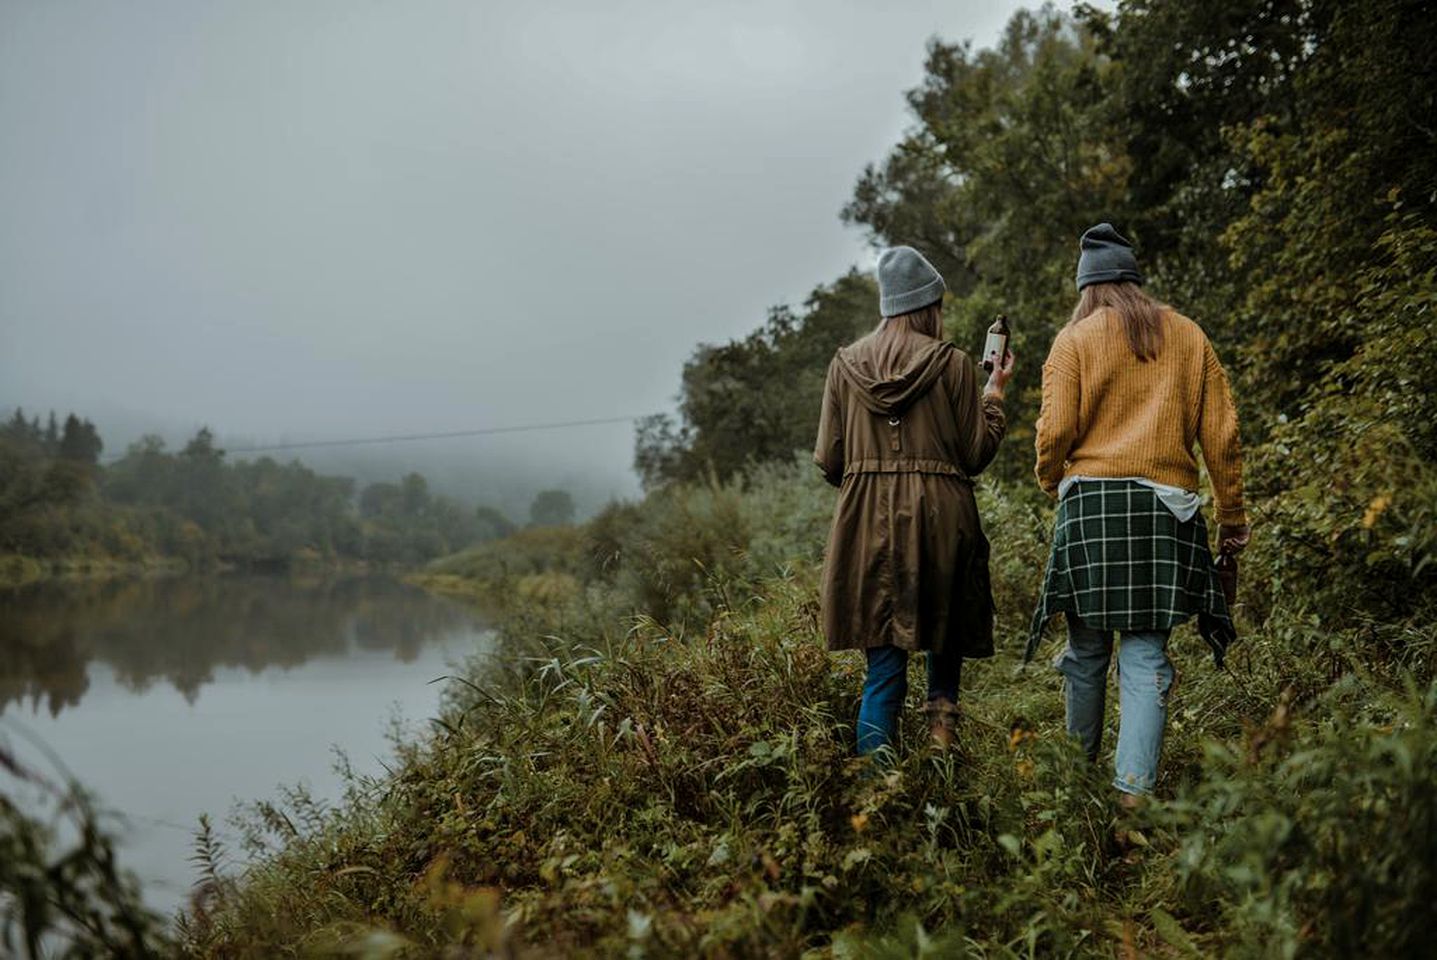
1122 561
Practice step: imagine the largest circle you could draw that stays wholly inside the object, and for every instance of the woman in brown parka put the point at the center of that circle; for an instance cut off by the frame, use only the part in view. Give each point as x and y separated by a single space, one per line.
903 431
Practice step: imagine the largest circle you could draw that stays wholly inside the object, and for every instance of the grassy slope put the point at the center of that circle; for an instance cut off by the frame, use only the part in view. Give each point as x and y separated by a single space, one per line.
613 784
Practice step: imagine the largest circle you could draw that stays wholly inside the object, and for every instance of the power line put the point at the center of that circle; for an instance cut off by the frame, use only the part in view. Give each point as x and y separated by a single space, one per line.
409 437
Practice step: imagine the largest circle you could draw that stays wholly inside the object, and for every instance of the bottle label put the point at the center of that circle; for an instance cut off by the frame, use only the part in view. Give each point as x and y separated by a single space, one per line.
993 350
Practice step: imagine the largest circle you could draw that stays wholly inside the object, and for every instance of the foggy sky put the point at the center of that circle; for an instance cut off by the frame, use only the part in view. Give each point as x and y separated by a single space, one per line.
302 220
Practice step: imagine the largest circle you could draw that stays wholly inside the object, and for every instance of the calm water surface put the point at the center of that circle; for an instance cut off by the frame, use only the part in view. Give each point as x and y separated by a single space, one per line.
169 698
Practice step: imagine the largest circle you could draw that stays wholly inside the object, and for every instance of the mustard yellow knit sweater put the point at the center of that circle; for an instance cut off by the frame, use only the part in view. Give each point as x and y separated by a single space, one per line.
1105 414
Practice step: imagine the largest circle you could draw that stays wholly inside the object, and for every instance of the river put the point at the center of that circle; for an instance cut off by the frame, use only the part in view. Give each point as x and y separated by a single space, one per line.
169 698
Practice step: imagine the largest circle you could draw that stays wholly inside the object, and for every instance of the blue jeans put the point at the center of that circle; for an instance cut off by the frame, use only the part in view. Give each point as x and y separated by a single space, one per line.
1145 675
887 684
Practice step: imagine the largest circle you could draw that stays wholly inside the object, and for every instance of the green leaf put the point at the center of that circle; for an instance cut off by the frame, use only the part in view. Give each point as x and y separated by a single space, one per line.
1173 933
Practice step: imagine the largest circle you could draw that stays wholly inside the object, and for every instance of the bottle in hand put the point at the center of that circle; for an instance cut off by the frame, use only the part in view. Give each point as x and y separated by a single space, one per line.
996 346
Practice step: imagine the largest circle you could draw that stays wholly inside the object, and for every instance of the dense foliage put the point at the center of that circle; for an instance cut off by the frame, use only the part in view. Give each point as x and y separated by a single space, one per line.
59 505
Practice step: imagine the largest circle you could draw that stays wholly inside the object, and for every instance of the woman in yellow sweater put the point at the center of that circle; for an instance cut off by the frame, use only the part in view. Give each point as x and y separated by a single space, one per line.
1129 386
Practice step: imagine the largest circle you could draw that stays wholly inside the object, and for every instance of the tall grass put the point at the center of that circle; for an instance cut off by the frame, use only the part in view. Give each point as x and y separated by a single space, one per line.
620 782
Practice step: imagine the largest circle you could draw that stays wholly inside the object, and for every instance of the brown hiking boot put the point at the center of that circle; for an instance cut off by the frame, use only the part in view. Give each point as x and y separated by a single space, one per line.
942 722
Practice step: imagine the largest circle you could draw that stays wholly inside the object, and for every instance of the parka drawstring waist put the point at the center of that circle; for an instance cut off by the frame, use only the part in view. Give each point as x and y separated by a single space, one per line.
905 465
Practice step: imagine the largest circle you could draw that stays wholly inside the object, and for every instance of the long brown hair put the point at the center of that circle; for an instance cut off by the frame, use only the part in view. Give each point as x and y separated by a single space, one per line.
925 320
1142 316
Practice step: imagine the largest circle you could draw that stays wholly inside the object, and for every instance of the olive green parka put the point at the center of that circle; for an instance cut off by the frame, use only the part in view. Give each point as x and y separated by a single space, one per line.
903 431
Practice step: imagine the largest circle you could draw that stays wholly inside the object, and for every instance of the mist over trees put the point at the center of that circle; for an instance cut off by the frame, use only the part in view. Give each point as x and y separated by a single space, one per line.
492 524
552 508
58 501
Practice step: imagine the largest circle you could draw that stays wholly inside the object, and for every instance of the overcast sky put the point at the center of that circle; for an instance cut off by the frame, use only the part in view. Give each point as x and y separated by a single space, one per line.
298 220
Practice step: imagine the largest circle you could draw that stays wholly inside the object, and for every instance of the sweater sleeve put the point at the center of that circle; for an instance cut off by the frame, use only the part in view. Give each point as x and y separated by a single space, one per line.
1057 427
1218 437
828 449
981 420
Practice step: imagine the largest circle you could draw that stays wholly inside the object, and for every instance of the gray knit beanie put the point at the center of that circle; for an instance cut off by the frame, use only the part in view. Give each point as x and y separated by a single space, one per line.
1106 256
906 281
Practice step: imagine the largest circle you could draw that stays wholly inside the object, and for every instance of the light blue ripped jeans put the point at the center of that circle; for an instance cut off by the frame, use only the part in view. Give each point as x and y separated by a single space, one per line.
1145 676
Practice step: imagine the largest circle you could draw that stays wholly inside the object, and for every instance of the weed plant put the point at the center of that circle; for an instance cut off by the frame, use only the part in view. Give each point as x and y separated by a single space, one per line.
63 893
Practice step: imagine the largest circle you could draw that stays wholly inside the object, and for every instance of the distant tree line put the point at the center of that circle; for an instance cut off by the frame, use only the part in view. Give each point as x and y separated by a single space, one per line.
69 457
58 500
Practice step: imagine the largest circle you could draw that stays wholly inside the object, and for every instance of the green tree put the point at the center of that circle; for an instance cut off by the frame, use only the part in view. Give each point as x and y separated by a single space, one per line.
200 489
551 508
22 481
756 399
414 496
1179 77
380 500
145 474
80 441
491 524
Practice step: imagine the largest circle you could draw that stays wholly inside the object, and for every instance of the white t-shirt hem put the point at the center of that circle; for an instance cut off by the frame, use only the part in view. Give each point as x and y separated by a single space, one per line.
1183 504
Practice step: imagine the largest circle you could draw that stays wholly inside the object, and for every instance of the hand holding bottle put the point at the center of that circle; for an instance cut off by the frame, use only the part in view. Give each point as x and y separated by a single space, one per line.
999 377
995 345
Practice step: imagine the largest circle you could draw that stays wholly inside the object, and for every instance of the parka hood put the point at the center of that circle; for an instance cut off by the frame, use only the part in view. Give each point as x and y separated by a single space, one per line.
890 394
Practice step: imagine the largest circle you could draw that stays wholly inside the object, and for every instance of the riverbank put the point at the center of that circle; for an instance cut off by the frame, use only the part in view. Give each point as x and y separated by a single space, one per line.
618 782
19 571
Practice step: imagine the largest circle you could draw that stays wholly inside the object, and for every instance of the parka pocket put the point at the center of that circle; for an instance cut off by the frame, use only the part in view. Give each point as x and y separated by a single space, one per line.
978 608
981 588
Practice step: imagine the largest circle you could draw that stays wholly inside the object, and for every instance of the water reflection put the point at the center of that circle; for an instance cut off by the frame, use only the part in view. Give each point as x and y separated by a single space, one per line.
180 630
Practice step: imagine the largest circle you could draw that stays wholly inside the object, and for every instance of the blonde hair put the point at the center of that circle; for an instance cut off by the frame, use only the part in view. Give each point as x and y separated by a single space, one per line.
925 320
1142 316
